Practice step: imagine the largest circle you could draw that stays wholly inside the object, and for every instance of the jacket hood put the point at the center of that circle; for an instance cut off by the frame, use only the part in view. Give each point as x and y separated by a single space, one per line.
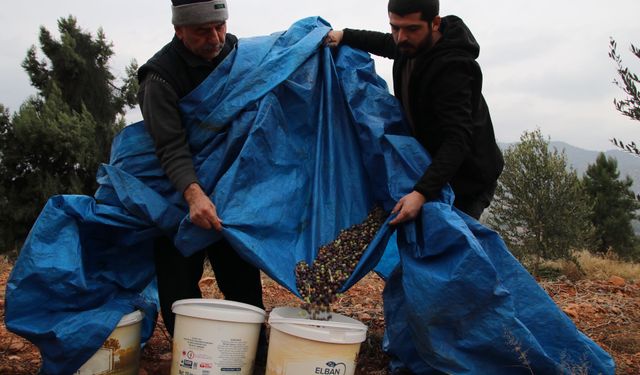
456 36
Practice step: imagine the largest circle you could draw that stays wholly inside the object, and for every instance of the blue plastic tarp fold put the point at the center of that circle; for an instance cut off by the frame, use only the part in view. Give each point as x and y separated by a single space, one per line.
478 311
83 266
293 142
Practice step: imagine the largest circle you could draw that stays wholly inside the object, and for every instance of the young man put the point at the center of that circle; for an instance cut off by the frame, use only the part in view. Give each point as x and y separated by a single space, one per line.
439 83
200 43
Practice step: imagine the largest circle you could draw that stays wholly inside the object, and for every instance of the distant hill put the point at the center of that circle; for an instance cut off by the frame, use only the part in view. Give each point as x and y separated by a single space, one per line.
580 159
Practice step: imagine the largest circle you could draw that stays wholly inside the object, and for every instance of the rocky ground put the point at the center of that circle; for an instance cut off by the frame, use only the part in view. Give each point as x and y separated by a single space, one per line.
608 311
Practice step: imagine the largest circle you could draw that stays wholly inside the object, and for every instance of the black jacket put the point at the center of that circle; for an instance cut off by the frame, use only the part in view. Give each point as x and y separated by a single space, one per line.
448 111
167 77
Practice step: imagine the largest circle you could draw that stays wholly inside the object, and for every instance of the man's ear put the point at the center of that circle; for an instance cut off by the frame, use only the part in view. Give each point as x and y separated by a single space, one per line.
179 31
436 23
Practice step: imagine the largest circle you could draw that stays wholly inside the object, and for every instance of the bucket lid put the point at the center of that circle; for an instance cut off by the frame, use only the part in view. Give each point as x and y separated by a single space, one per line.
218 309
131 318
339 330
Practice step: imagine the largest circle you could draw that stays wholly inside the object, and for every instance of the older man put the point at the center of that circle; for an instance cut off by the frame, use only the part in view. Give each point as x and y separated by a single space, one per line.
200 43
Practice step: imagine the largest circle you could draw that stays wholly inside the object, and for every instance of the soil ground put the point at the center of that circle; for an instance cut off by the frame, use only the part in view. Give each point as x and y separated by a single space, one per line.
608 311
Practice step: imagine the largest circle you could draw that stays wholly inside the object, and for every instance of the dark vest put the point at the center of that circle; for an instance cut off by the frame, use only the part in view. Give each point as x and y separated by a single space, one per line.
182 69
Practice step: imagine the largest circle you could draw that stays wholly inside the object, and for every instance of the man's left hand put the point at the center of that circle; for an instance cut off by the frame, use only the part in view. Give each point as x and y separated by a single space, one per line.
408 207
202 211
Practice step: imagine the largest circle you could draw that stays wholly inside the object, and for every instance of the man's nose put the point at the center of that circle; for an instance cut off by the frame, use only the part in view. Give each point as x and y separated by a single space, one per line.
402 36
214 37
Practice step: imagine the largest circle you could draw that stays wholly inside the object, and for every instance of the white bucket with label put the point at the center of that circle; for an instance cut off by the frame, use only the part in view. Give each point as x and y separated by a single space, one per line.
299 345
214 336
120 353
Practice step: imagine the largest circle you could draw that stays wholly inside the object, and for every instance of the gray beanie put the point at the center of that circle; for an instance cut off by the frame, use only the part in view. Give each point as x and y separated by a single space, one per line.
197 12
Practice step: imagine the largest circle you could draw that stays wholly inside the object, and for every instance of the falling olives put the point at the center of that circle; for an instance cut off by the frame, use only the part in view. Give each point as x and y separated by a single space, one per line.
319 283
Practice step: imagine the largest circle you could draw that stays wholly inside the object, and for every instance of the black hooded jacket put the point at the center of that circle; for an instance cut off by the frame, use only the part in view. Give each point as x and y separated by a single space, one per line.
449 114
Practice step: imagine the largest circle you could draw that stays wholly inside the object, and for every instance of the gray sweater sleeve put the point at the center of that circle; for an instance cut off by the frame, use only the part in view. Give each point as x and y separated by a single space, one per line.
159 105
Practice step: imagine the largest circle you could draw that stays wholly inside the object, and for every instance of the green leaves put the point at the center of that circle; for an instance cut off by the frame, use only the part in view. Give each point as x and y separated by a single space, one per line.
539 208
630 106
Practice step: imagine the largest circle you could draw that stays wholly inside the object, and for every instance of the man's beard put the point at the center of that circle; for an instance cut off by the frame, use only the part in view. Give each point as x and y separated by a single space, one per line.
411 51
210 51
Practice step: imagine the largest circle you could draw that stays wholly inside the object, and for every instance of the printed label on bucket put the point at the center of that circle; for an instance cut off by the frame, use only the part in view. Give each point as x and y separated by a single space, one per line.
317 368
230 355
195 360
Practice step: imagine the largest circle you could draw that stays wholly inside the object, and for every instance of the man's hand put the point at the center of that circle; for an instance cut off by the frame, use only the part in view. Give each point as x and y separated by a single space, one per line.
408 207
333 38
202 211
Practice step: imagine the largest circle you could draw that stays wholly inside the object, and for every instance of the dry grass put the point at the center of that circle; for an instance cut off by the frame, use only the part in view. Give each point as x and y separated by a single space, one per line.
595 267
603 268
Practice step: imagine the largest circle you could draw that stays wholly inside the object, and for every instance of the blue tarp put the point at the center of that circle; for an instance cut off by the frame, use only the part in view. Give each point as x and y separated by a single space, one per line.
293 142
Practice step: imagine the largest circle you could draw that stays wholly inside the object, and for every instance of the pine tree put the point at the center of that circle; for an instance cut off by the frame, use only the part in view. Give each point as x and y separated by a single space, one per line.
77 65
48 149
56 141
614 207
539 207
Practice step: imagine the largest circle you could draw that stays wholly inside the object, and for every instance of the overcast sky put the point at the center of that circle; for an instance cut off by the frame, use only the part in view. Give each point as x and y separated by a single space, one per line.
545 62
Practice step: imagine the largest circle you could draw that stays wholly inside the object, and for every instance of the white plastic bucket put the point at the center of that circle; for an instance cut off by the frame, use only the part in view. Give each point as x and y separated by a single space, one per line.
120 353
215 337
300 345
